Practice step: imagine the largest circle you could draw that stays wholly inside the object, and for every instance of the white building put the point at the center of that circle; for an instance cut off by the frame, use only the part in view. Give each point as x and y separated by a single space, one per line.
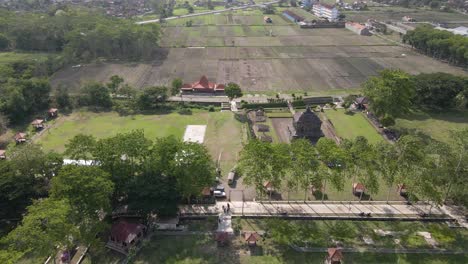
326 11
463 31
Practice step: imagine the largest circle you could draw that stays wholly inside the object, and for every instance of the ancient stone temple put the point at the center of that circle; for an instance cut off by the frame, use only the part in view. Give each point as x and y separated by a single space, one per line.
306 125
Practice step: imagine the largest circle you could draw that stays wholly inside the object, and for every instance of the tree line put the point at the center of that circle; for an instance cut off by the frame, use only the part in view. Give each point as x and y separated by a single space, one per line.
394 93
430 170
80 35
439 44
70 201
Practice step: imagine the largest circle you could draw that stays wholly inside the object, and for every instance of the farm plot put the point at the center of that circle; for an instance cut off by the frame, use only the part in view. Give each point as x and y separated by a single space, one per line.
319 61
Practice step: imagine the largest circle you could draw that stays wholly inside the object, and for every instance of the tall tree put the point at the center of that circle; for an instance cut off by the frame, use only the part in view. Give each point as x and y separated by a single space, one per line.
176 85
390 93
193 169
233 90
305 165
114 83
333 163
45 227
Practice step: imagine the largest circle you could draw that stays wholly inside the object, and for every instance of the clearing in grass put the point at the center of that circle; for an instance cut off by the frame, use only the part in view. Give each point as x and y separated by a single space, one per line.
351 125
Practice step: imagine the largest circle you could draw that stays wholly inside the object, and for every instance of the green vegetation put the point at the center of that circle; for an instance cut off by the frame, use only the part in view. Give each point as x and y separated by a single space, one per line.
435 124
439 43
80 35
351 125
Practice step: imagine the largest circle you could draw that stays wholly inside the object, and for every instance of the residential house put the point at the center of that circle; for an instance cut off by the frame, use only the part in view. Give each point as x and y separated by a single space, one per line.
358 28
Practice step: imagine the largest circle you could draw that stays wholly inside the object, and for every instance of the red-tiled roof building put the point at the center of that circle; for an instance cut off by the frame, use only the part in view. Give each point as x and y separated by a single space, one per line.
203 86
251 238
124 235
335 256
20 137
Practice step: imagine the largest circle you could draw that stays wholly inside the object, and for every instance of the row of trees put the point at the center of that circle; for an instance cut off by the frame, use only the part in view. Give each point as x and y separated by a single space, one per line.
439 44
431 171
69 202
81 35
393 93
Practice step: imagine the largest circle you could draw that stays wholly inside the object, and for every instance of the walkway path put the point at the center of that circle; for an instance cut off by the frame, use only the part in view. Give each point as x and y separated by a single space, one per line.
456 213
316 210
384 250
207 13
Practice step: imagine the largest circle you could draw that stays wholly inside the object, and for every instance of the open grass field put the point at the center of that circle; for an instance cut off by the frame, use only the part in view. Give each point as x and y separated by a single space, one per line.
223 135
437 125
7 57
349 126
237 47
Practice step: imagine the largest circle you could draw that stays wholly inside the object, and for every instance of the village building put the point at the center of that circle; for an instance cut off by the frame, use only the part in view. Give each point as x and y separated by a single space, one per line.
20 137
358 28
326 11
203 86
125 235
334 256
268 187
402 189
251 238
261 128
2 154
38 123
292 16
306 125
361 102
358 188
53 112
260 116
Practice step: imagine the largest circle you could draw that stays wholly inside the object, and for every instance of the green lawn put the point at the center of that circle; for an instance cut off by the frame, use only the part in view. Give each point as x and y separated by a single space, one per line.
436 125
349 126
7 57
224 134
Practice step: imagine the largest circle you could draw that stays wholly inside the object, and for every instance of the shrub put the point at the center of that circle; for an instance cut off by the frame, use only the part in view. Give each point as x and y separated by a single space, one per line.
185 111
211 108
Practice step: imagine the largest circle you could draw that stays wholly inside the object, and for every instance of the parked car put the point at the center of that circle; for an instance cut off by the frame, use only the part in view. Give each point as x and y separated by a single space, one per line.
219 194
220 187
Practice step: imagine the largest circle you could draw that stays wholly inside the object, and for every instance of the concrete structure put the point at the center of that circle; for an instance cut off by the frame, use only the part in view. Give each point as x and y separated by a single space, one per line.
358 28
326 11
195 133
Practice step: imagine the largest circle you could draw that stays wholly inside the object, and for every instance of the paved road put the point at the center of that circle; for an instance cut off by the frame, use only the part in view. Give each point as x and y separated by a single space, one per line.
207 13
343 209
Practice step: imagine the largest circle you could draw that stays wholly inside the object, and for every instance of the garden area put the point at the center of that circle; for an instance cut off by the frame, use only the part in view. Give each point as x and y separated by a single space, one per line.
350 125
